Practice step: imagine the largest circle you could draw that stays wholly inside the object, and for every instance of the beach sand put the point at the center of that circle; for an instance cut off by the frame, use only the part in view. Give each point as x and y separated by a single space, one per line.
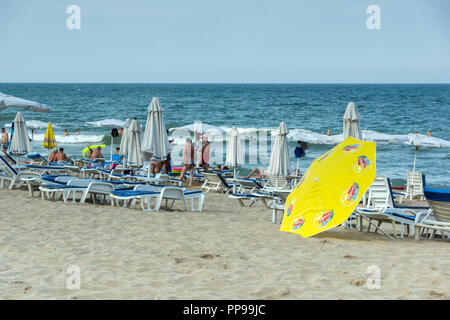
224 252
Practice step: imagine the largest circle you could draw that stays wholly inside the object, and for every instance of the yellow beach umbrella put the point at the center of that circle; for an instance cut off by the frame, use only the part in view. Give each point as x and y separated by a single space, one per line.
49 138
331 188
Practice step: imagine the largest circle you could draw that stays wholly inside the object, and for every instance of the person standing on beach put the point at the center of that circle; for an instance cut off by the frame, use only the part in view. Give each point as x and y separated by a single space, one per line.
188 161
205 153
5 141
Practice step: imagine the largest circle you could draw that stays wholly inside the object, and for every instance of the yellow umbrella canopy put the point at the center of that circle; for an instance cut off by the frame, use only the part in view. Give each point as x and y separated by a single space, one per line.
49 138
331 188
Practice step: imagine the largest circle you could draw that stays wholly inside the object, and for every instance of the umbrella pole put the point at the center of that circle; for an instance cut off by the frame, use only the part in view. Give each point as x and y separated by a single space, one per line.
415 158
112 139
234 180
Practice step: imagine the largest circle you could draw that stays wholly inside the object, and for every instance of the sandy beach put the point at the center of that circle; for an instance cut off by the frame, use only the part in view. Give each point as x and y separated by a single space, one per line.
224 252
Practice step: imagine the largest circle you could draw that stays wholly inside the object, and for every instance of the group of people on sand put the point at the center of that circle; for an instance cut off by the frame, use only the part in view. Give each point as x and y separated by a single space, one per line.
189 158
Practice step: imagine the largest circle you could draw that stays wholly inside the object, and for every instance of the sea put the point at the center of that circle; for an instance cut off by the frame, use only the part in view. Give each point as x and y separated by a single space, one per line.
256 110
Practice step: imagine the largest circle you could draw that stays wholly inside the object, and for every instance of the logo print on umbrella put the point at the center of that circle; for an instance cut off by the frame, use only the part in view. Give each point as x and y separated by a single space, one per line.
290 207
351 148
322 218
349 196
297 222
362 164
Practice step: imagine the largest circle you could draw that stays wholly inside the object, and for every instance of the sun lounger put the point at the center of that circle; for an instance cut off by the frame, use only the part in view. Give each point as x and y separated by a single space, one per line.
34 183
8 173
243 197
277 182
36 158
438 217
381 207
415 182
247 187
84 186
216 182
8 158
173 194
130 196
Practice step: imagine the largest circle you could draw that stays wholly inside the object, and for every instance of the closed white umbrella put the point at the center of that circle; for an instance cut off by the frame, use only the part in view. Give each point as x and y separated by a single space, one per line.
20 144
235 156
279 159
155 143
7 101
134 157
351 122
124 140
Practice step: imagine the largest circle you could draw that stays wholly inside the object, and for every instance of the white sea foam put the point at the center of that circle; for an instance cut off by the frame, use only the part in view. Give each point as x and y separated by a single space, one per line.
72 138
111 123
35 124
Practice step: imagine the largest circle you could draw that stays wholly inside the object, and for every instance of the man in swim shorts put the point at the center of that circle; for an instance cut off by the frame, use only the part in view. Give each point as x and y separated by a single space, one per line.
5 141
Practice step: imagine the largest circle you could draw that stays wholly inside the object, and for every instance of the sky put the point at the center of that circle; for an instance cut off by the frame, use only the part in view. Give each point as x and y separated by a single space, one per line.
211 41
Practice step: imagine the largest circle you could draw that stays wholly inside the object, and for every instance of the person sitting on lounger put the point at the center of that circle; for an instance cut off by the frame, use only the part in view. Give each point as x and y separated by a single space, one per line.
259 174
97 153
224 167
61 156
52 156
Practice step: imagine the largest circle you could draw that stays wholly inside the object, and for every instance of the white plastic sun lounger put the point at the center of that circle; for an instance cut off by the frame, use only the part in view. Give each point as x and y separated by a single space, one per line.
84 186
173 194
8 173
381 208
438 217
216 182
130 196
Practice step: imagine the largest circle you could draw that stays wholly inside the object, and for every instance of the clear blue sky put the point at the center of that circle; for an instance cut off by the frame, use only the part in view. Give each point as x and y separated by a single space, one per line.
225 41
